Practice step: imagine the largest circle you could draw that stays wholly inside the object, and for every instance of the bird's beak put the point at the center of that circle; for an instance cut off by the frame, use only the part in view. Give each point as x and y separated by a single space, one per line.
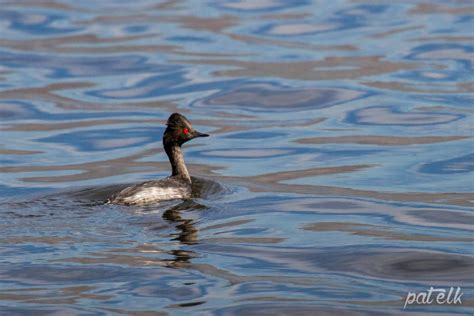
199 134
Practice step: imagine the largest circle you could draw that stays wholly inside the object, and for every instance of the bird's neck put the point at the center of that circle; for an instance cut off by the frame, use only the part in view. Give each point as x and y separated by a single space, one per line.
177 162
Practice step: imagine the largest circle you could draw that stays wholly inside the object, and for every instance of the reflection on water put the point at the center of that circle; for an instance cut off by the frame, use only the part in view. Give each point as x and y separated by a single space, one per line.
268 97
338 176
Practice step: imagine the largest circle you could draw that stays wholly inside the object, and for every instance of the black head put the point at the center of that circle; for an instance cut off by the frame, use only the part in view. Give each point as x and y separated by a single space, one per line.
179 130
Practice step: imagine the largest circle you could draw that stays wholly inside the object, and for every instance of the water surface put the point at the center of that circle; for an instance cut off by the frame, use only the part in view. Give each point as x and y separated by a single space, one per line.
339 174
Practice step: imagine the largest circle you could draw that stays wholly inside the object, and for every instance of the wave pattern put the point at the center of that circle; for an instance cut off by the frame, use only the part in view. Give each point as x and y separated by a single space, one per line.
337 179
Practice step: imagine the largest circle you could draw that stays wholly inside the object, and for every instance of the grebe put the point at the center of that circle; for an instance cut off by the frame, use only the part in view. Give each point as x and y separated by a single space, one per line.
177 186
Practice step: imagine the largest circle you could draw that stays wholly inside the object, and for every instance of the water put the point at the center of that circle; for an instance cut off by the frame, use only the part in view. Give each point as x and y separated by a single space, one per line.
338 177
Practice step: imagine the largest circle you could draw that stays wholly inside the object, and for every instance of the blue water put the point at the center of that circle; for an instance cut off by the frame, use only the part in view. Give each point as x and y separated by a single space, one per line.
338 176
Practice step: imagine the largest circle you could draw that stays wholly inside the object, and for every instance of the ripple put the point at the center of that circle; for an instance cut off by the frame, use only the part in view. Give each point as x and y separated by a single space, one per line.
434 8
405 264
385 115
329 68
257 153
378 231
247 153
262 5
168 289
38 310
188 39
4 151
170 83
274 97
350 18
461 164
106 139
275 306
440 218
43 274
20 110
308 103
254 135
443 52
65 66
379 140
88 196
16 111
36 23
458 102
297 29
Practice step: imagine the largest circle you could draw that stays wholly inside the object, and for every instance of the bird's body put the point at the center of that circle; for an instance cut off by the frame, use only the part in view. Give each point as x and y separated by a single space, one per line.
178 185
154 191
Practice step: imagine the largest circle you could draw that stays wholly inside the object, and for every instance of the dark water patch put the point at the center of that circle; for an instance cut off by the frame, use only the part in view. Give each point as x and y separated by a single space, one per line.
189 39
17 110
136 29
385 115
273 97
178 293
407 264
359 15
362 261
7 191
208 189
37 22
456 165
190 304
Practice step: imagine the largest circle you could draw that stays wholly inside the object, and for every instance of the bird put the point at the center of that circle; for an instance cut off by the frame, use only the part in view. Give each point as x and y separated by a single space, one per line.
179 184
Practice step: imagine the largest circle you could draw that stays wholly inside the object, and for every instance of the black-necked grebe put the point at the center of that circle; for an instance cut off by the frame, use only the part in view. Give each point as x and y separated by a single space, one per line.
177 186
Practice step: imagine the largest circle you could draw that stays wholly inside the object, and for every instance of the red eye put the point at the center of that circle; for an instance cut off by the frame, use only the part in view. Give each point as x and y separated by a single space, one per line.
186 131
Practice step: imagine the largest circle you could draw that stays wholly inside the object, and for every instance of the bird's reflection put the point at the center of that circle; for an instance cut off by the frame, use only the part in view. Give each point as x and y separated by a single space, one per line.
187 233
174 212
